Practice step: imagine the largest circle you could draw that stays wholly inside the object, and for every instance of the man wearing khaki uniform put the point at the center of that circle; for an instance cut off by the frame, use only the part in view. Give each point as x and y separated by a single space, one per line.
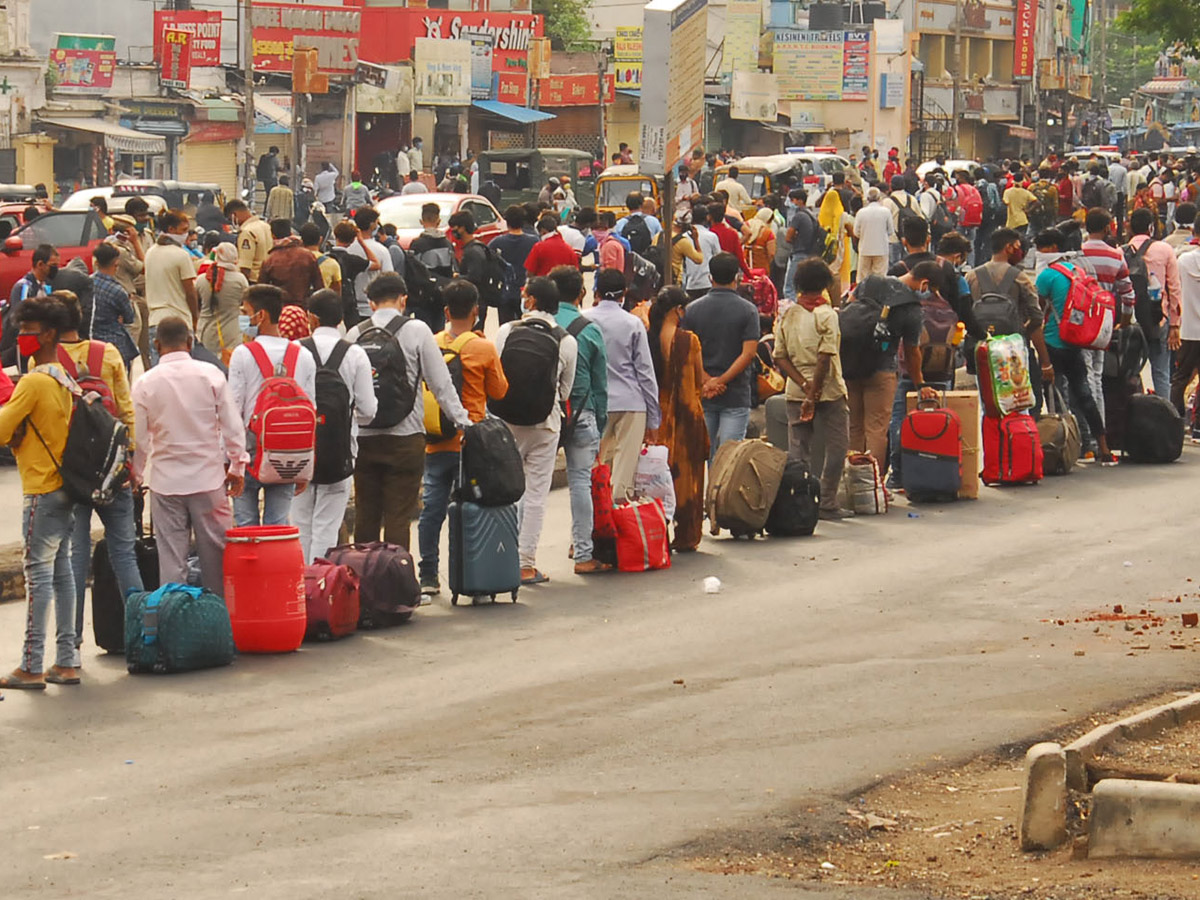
254 238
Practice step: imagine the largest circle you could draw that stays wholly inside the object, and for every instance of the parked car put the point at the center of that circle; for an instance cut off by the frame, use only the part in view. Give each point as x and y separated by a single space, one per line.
404 211
81 201
74 233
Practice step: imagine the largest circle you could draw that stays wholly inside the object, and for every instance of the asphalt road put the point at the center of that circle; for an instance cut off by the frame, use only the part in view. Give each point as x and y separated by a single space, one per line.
542 749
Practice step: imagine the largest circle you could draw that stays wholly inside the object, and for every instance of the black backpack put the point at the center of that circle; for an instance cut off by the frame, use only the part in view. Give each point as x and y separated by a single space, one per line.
93 465
995 312
907 211
1091 194
1146 312
637 232
530 363
424 287
350 314
491 472
395 392
335 406
797 506
867 338
1127 355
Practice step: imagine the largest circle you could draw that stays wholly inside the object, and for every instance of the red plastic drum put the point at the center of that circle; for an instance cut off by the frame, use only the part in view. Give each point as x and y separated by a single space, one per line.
264 588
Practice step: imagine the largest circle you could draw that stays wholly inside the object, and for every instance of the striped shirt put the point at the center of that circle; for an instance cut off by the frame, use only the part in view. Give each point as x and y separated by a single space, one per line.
1111 271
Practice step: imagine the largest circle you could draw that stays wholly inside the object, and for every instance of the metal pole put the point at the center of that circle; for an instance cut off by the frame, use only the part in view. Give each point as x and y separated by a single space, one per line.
667 213
248 111
954 100
601 67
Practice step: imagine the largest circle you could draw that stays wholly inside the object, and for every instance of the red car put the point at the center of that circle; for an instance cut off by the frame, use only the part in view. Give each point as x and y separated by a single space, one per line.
404 211
72 234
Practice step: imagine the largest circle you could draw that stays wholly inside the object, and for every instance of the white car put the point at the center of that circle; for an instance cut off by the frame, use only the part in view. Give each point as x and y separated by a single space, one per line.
82 200
821 164
950 166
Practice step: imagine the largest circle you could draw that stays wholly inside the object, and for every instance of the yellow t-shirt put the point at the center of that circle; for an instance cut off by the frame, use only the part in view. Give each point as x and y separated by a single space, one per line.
1018 200
331 272
44 402
802 336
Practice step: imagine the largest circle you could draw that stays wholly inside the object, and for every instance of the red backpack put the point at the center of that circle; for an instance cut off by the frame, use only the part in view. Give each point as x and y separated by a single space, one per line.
1088 311
88 378
970 206
283 427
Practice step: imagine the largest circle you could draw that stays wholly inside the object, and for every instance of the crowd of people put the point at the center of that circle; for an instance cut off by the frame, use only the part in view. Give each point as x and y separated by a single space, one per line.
187 347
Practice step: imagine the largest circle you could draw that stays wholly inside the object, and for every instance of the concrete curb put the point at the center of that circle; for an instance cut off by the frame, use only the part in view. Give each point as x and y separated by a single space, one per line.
1132 728
1144 819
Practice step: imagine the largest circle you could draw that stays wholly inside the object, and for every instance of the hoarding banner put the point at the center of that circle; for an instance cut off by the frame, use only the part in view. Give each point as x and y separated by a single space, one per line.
512 87
83 71
1023 52
176 59
333 30
202 24
822 65
628 45
754 97
442 72
482 43
389 33
575 90
743 25
672 107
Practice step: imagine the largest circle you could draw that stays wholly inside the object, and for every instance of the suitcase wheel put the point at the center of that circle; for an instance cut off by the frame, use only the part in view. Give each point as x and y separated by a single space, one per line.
454 599
493 596
514 596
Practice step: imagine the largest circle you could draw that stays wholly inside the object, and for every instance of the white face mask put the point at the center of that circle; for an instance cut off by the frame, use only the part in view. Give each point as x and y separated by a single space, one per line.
180 239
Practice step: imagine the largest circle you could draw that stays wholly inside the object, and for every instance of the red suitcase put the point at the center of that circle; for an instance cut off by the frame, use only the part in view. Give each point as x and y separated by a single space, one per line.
331 594
1012 450
642 542
931 453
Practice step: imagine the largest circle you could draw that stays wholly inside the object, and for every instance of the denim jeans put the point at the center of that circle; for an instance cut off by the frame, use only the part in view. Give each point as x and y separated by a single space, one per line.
276 503
581 451
1160 365
904 387
725 424
969 234
46 522
789 277
441 469
152 331
119 535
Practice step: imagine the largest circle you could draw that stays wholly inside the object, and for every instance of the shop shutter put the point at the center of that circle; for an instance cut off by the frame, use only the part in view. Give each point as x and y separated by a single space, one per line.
210 162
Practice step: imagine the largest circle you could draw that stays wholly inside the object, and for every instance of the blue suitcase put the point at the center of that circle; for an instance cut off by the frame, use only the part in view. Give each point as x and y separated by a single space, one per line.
484 560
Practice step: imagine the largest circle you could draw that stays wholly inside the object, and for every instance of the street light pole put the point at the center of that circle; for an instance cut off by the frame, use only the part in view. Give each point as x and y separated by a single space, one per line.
954 100
248 111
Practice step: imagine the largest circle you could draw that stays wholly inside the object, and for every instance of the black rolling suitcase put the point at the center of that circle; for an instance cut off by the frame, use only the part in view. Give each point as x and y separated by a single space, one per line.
108 606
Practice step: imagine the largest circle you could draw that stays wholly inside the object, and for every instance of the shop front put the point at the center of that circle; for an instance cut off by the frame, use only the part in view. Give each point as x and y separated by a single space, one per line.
93 152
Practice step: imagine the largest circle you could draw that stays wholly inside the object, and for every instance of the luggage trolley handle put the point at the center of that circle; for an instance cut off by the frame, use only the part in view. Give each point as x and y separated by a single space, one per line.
931 405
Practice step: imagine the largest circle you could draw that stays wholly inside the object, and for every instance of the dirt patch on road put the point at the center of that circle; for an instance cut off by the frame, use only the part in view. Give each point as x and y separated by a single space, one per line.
952 832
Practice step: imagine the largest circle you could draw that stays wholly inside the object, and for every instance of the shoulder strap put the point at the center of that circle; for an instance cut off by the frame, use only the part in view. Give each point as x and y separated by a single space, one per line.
983 277
340 349
1009 279
95 358
393 327
456 345
576 327
1141 251
290 357
261 358
322 258
67 362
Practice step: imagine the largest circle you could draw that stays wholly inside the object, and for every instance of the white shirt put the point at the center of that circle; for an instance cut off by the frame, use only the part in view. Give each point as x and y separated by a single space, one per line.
422 360
929 199
245 378
568 355
573 236
695 275
403 166
474 178
325 184
355 371
414 187
361 281
875 229
894 203
738 195
1189 279
415 158
1117 174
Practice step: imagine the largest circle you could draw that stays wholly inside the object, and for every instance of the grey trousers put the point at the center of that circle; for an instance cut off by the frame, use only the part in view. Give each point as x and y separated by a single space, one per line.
176 517
830 426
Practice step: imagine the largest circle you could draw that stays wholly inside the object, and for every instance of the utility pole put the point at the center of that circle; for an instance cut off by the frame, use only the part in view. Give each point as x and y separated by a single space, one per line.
601 70
248 111
955 100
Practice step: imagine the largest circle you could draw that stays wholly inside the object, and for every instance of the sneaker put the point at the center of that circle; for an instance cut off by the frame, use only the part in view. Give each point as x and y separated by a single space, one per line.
1088 457
835 515
1108 460
430 588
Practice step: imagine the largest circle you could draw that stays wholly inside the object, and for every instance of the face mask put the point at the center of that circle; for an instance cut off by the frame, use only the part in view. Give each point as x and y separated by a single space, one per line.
28 344
250 331
51 272
141 226
180 239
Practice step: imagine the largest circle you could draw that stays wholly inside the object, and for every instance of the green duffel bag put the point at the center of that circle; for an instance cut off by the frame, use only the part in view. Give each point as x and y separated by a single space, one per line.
176 628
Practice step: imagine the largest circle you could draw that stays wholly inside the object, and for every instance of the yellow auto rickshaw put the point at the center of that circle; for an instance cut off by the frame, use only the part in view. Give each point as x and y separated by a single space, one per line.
618 182
762 175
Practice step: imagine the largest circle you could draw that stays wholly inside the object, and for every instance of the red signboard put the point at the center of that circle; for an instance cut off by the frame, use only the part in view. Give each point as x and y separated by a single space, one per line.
389 33
277 28
512 87
1023 52
176 59
203 25
575 90
84 70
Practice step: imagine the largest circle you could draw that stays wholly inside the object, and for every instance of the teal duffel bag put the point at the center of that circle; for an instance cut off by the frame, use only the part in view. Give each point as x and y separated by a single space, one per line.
175 629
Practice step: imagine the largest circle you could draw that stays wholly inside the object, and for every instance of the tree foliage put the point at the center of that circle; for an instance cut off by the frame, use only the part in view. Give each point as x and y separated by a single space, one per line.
1170 20
567 23
1129 61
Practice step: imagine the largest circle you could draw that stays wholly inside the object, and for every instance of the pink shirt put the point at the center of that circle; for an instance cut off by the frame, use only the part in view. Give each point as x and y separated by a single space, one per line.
184 414
1162 264
612 254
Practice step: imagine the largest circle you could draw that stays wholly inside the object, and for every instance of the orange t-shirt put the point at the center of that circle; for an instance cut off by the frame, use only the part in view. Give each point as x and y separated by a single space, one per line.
482 378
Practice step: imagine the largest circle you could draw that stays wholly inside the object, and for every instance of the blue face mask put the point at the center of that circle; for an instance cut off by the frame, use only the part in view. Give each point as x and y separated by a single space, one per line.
248 330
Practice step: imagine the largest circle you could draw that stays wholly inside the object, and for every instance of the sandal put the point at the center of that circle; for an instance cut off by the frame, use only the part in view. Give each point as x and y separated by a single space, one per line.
536 578
592 567
62 675
22 681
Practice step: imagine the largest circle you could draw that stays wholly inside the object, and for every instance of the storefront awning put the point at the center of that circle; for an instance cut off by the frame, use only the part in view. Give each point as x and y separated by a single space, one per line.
522 115
1168 86
116 137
